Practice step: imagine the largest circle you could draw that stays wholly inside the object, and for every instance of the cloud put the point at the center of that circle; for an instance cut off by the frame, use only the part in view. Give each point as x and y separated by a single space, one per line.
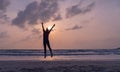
85 21
3 35
3 18
35 34
44 11
57 17
88 8
78 9
3 7
75 27
4 4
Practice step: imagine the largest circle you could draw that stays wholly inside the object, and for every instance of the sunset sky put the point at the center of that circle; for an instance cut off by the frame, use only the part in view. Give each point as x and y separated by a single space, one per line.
80 24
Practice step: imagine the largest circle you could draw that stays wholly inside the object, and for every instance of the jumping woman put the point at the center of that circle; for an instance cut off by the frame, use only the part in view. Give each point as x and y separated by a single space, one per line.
46 39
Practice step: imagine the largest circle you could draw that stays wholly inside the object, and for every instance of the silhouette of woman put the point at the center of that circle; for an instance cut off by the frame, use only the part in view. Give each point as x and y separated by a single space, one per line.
46 39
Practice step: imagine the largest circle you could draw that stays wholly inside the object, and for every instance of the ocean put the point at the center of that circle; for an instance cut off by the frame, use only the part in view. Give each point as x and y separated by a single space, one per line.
61 54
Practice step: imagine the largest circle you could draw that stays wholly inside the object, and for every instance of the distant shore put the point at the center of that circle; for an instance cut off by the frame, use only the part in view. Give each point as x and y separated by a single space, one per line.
59 66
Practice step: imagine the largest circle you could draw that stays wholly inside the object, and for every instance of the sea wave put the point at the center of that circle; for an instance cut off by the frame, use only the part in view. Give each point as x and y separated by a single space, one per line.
14 52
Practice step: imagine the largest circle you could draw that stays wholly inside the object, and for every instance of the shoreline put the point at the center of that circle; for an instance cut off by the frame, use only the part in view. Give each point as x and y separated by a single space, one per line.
59 66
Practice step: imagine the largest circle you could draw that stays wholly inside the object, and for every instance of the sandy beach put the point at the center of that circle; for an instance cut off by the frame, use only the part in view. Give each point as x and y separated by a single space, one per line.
59 66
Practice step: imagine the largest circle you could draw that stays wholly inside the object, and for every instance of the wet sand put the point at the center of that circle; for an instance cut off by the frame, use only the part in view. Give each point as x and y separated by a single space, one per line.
59 66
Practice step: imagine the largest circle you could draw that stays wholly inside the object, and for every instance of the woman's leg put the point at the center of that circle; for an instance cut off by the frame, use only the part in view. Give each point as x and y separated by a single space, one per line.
44 50
50 49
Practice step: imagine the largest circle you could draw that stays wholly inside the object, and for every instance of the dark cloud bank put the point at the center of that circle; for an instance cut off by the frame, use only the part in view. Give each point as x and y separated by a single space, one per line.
4 4
3 7
44 11
77 9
